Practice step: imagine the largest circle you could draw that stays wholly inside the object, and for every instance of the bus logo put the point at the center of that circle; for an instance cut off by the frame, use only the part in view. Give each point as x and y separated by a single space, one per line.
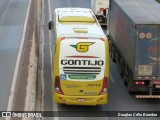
82 46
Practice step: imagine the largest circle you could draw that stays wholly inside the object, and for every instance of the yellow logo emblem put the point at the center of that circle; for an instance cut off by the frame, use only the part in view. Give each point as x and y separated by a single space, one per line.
82 46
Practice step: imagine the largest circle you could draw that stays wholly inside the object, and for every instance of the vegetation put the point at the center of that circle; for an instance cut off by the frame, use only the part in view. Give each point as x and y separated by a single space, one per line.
158 1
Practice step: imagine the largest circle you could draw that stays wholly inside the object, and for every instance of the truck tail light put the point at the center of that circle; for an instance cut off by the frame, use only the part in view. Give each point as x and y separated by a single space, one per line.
139 82
104 86
57 85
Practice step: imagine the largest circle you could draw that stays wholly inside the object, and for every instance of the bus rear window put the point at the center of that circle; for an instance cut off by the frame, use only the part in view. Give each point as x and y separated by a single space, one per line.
77 16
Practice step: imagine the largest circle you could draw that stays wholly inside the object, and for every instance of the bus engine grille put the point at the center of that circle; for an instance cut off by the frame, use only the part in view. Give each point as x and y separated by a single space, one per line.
81 70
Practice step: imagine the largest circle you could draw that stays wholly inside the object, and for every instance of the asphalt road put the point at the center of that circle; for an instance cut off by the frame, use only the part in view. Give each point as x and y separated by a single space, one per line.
118 99
12 17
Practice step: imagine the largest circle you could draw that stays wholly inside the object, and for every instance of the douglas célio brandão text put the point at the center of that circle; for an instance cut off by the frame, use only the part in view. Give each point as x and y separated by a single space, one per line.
137 114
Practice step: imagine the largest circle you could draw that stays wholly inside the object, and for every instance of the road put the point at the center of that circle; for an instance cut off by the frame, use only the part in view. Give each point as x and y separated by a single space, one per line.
119 99
12 17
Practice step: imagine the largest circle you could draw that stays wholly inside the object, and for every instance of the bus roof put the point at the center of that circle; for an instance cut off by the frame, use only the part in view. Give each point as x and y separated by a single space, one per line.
75 15
69 23
79 30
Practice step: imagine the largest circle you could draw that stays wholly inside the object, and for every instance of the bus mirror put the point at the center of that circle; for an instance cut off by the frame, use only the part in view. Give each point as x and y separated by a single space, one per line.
50 25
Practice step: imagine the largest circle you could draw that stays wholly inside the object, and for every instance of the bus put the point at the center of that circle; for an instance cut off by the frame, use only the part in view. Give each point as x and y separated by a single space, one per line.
80 59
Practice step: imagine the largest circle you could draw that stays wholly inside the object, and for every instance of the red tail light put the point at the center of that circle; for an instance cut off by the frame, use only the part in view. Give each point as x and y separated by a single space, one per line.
62 38
104 86
57 85
139 83
102 39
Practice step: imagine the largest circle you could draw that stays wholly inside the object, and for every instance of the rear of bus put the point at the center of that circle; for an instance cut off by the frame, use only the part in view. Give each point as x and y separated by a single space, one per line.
81 71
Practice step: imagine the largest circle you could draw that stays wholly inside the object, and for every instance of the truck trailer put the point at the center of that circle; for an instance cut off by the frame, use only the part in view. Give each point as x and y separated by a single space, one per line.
134 34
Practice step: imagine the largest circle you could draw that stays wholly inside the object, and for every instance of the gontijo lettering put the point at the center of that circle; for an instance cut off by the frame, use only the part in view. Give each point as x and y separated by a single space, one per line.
82 46
82 62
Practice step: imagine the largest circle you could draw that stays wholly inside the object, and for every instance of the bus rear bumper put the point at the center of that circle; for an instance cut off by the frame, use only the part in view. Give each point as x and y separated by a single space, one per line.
80 100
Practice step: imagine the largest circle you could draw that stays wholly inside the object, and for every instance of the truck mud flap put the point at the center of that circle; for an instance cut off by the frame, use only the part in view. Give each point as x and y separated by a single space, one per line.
147 96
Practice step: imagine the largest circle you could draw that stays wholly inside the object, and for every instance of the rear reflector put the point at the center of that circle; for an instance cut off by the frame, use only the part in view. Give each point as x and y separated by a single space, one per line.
147 96
104 86
57 85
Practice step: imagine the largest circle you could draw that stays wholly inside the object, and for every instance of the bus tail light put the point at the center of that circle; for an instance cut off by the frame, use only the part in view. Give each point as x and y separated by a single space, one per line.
102 39
104 86
62 38
57 85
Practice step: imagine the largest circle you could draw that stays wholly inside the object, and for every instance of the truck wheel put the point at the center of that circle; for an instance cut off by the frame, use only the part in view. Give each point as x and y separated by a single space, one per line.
113 56
125 81
130 86
121 73
104 26
125 77
122 68
111 51
111 48
129 89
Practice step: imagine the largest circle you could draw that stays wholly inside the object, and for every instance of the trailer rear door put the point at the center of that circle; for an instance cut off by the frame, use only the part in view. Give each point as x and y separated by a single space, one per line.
148 51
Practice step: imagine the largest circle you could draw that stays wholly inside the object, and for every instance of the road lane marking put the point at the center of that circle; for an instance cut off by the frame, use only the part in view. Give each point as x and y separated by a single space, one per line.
43 14
50 36
42 70
15 75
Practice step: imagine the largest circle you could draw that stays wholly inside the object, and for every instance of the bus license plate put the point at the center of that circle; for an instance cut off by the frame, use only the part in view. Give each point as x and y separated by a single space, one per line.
81 99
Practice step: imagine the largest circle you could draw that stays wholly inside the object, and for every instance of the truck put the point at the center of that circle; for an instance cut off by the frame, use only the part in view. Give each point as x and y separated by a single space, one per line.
80 58
100 9
134 39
